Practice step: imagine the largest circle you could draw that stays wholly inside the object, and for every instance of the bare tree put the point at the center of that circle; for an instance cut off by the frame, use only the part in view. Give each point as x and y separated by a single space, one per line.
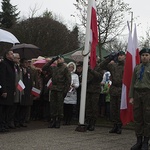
33 11
145 41
110 16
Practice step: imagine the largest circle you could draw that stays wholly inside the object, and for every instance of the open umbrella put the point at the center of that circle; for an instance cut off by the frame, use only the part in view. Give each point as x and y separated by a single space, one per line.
77 56
27 51
40 63
8 37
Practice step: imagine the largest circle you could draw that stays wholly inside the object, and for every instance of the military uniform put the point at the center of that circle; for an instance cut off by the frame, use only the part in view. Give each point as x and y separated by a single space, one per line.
140 92
93 91
116 71
61 81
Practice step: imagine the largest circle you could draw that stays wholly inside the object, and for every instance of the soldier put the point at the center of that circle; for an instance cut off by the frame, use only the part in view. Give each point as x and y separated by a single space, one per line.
92 96
116 71
61 81
140 98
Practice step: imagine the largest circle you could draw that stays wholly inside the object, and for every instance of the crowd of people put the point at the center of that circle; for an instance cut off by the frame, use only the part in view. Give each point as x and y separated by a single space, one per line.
58 90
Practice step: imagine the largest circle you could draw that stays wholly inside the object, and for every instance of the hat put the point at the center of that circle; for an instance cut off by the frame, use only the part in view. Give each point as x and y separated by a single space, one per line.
74 65
121 53
144 50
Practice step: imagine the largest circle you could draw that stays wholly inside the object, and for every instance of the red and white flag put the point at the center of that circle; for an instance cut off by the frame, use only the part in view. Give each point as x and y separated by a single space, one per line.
49 83
132 59
20 86
94 35
36 92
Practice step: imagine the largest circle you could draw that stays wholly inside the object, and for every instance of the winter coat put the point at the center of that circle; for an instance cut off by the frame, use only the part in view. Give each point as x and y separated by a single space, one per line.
27 99
7 82
71 97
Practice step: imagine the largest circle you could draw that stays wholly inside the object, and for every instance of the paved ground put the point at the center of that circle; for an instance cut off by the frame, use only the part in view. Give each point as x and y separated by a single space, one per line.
38 137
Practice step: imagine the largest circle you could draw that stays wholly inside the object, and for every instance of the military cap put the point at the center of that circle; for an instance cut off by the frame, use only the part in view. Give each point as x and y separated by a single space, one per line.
121 53
144 50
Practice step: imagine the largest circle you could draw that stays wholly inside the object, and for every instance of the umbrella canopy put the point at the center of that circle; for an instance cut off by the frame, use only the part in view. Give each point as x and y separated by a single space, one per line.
77 56
8 37
27 51
40 63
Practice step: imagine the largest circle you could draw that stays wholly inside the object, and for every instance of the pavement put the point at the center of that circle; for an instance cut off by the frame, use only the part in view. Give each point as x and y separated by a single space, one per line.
38 137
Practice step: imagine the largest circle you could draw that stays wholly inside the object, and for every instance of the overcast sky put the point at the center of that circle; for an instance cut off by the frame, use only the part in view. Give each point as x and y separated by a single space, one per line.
65 8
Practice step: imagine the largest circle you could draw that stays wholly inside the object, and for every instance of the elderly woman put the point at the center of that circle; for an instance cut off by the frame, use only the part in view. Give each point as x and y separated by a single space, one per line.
71 98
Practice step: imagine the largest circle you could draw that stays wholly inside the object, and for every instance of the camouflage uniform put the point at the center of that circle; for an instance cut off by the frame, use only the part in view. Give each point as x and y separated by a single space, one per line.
93 91
140 92
61 81
116 71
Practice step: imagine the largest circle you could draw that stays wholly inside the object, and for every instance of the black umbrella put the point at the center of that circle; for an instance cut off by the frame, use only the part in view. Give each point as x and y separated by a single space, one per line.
27 51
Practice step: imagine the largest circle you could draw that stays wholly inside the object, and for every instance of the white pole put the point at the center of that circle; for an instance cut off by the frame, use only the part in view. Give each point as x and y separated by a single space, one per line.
85 64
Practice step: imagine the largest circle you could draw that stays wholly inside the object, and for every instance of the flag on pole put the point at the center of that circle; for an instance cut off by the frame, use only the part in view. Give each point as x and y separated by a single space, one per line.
20 86
94 35
36 92
85 62
135 44
132 59
49 83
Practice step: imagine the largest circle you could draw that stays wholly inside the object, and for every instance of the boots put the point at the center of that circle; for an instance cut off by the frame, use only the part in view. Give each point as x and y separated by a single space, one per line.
114 129
119 130
145 143
138 144
87 123
92 125
52 123
57 122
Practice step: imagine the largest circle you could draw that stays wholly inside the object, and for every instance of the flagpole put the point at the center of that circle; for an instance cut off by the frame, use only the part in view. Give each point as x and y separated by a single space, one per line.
85 65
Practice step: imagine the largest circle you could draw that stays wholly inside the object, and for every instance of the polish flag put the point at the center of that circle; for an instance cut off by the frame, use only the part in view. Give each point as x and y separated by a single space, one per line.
94 35
49 83
20 86
132 59
36 92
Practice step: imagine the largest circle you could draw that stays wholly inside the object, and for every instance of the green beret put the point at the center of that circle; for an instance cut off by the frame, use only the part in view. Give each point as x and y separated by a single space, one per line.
121 53
144 50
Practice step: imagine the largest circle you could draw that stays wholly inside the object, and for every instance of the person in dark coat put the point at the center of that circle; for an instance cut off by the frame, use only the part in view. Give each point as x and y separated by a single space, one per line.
26 99
7 90
17 98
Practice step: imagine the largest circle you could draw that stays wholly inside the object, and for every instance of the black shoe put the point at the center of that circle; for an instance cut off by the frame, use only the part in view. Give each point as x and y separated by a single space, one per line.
87 123
23 125
12 126
138 144
52 123
145 143
57 124
3 130
114 129
119 131
17 125
92 128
